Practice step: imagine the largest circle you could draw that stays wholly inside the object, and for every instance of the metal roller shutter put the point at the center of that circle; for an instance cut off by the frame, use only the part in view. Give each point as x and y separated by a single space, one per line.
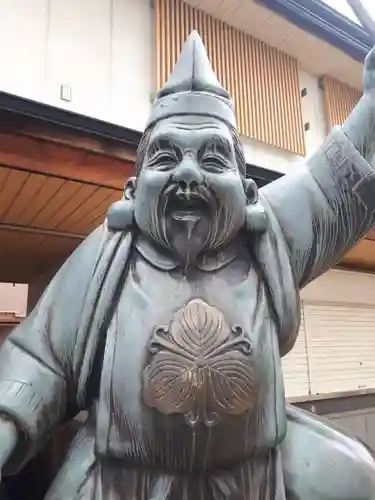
295 366
341 346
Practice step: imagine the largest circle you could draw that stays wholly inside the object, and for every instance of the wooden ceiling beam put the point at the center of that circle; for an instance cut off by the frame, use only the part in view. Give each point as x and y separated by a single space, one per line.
61 160
14 124
41 231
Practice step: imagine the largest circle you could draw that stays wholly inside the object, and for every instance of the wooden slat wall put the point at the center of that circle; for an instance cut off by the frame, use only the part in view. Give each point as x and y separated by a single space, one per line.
339 100
263 82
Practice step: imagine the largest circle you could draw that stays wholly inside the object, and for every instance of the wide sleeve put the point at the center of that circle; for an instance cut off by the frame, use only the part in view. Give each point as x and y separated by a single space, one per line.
326 207
36 383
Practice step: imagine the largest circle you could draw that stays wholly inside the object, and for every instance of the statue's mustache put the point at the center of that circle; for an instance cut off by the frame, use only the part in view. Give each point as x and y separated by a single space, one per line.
201 195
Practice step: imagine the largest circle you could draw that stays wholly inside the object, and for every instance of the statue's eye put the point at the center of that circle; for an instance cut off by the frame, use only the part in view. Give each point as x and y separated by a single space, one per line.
163 161
214 164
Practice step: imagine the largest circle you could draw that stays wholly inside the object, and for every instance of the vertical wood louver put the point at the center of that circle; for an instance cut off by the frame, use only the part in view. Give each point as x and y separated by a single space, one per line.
339 100
263 81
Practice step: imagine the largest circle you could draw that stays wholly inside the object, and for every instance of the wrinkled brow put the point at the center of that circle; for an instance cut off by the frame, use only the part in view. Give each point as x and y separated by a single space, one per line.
164 142
216 143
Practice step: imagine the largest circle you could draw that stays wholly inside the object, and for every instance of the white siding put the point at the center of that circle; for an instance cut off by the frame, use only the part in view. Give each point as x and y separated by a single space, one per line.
102 49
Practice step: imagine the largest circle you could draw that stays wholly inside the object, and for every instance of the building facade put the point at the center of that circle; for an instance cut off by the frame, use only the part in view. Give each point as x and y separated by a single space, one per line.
76 86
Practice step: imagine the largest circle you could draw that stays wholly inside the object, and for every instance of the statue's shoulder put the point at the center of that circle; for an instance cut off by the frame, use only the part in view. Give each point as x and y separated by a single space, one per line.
91 257
100 242
331 463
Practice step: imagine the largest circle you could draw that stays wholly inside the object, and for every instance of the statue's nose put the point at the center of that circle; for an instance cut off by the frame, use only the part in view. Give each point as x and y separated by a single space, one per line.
188 176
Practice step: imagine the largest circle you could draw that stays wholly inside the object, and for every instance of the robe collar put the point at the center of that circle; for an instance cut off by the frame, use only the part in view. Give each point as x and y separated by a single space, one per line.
166 261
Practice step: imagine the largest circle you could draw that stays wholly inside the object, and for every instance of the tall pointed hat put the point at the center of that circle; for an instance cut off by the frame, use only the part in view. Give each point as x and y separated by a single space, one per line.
192 88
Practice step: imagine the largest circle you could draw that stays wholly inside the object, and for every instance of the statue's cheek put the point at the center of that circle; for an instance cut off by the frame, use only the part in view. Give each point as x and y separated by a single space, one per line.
152 181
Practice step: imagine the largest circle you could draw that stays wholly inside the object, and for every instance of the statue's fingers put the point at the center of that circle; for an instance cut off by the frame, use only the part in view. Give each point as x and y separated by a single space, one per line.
369 71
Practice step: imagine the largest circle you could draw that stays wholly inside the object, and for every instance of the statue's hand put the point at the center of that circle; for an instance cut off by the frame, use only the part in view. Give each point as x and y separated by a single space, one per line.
369 72
8 439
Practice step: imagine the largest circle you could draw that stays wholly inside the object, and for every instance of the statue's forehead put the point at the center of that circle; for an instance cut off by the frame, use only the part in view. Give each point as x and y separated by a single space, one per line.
191 130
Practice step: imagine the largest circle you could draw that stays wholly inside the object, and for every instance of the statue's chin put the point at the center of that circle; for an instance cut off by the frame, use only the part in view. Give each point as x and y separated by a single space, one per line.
187 237
187 234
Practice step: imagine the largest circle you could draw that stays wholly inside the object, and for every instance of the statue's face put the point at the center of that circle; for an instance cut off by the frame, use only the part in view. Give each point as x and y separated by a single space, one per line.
189 195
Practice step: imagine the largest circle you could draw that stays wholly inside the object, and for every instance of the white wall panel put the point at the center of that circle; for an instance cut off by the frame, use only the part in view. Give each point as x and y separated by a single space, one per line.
23 39
79 54
313 112
101 49
104 51
132 63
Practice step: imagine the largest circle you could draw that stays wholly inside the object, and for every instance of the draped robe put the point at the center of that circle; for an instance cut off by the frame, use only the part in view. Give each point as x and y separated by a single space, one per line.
49 365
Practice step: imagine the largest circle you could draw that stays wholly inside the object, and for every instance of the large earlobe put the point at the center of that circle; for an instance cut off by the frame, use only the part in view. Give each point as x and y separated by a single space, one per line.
256 217
120 215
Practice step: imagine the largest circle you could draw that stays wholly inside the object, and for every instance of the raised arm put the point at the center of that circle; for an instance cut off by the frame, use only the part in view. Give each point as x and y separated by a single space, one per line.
329 205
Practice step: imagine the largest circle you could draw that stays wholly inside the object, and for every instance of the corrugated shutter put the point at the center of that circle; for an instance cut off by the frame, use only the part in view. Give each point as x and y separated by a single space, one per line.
341 346
295 366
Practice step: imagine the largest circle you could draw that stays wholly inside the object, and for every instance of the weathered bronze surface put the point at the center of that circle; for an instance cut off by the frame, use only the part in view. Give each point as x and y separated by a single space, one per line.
169 322
199 366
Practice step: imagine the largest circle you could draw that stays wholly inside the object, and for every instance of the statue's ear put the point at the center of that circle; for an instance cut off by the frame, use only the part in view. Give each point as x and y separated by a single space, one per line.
251 191
256 217
129 189
120 215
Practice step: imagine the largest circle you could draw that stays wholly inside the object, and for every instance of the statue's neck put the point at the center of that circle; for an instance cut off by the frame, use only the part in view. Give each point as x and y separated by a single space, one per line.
165 259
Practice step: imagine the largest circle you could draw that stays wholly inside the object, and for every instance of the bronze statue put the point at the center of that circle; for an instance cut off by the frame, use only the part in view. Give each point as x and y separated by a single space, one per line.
169 322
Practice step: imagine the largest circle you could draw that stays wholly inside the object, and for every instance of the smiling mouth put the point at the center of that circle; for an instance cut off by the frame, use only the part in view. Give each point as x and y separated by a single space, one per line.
188 208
